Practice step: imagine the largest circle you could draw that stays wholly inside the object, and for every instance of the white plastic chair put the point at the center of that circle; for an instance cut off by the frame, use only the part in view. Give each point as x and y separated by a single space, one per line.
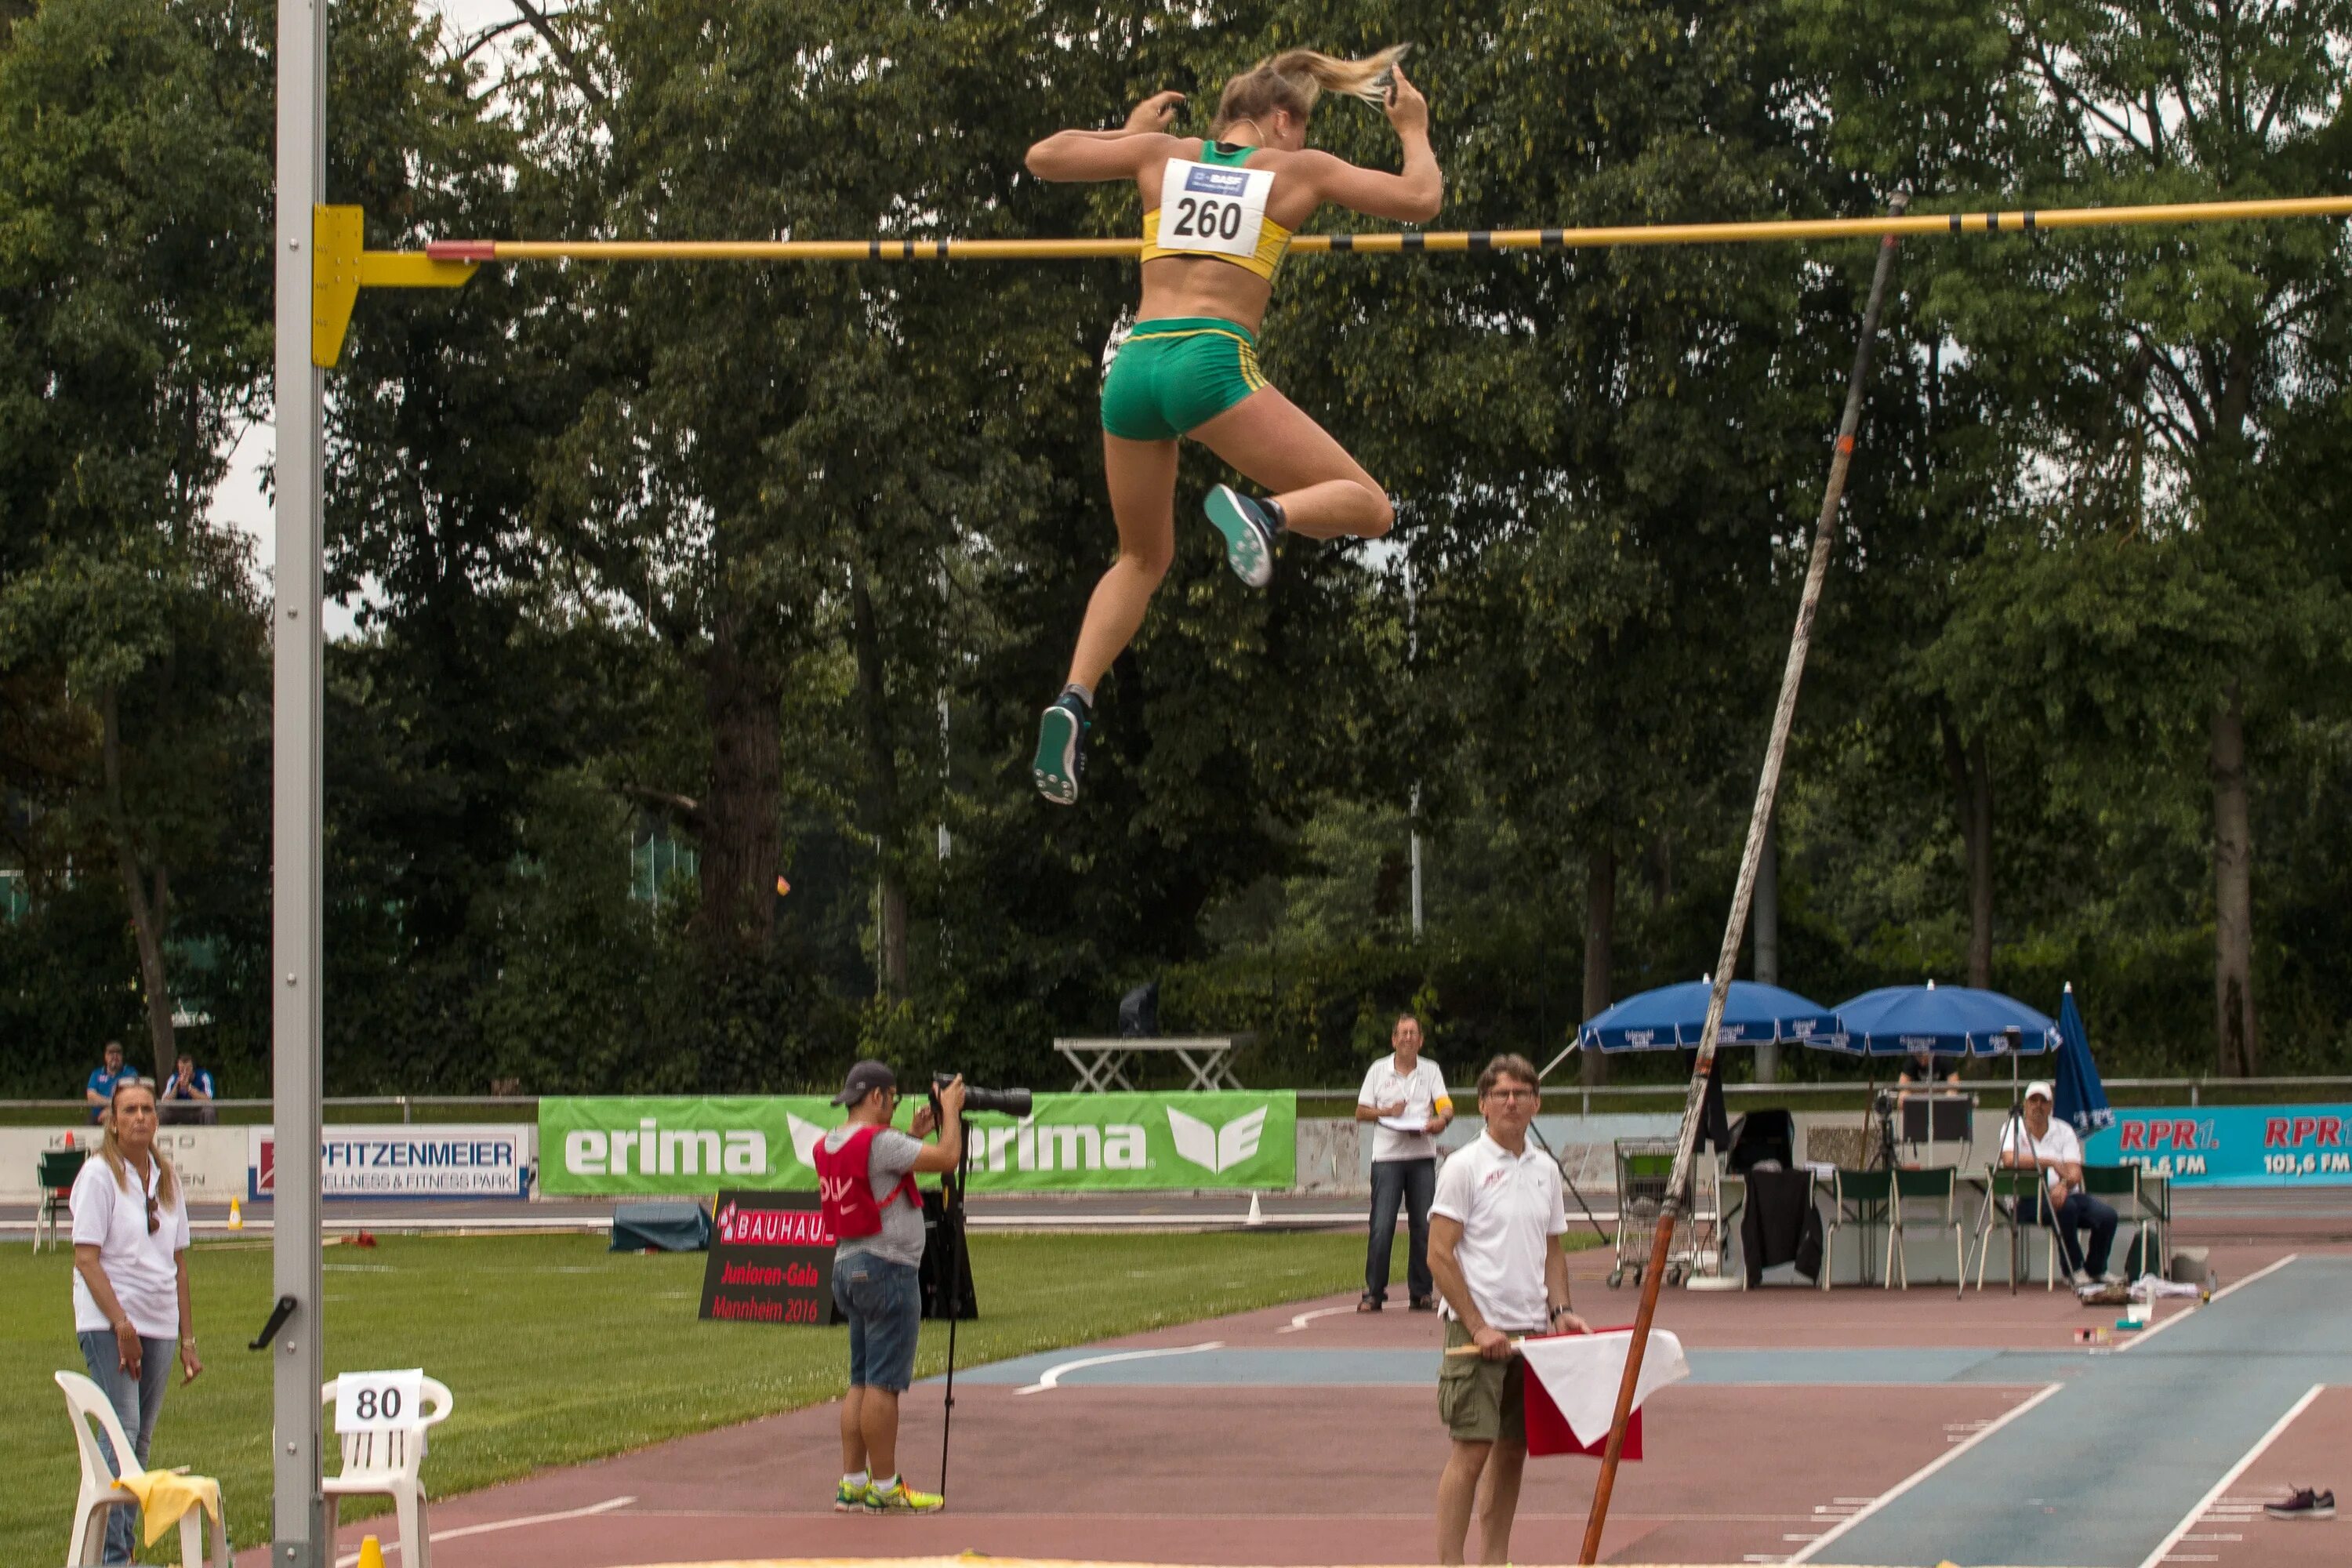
385 1464
92 1414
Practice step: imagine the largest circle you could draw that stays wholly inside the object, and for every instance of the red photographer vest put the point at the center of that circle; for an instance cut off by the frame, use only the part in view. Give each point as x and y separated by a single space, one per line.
845 1186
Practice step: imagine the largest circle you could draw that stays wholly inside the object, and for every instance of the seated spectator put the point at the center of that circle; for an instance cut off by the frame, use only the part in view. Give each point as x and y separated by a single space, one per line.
2040 1143
1918 1069
187 1095
99 1092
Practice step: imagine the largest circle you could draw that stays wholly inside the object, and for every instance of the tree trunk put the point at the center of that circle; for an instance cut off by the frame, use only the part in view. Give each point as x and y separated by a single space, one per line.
2233 922
148 914
882 798
1767 939
741 840
1600 923
1971 770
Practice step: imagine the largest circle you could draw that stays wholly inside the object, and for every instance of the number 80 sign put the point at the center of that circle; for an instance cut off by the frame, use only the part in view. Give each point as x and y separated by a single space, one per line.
379 1401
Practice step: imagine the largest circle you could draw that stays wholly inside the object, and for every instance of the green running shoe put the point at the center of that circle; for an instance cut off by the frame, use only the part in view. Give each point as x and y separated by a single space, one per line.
1249 534
850 1498
902 1498
1061 750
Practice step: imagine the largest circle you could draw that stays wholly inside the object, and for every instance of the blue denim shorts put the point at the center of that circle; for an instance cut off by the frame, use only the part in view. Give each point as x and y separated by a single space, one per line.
884 1303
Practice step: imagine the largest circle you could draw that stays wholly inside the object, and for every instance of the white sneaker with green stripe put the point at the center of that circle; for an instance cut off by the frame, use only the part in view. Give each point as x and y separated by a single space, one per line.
1248 533
898 1498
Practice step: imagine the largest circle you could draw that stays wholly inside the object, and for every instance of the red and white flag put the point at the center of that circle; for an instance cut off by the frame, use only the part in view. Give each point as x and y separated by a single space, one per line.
1571 1390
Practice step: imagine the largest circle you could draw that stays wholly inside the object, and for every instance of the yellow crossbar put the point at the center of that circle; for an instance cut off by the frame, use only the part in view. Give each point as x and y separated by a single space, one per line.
340 268
2023 220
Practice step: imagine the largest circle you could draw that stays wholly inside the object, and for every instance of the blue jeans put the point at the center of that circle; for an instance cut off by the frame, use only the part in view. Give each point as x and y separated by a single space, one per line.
137 1401
1411 1185
2080 1210
884 1303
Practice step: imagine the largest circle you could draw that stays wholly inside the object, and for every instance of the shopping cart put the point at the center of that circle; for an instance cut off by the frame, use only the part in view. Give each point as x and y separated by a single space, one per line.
1646 1166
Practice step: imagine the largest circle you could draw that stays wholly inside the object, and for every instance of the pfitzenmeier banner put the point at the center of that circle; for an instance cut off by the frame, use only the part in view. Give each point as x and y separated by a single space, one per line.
1071 1143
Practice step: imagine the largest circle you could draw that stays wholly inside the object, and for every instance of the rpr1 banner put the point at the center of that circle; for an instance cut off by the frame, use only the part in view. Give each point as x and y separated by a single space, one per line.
1070 1142
2232 1145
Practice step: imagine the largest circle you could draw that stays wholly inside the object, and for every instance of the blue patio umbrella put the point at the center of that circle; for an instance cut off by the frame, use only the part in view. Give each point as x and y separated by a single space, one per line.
1672 1018
1948 1020
2082 1097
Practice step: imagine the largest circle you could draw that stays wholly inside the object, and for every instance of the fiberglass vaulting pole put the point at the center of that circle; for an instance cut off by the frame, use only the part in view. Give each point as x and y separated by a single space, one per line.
297 771
1735 928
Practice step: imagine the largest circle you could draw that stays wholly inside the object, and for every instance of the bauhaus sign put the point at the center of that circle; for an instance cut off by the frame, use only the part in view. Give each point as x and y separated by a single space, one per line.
1071 1143
771 1260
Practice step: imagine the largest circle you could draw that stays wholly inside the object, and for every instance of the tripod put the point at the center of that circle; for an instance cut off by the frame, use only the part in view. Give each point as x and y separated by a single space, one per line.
2013 1137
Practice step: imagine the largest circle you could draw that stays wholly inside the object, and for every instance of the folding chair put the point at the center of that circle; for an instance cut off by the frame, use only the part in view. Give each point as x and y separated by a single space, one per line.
2012 1188
1940 1185
1865 1197
385 1464
2121 1185
58 1167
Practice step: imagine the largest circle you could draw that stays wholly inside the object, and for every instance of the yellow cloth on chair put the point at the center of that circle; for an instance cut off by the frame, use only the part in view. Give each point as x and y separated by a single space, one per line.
165 1495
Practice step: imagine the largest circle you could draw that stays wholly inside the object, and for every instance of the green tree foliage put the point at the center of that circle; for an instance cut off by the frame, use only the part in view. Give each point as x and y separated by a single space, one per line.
777 564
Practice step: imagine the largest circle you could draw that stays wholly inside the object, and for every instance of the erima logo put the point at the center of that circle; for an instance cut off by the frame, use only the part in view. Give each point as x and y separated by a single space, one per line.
666 1152
1115 1146
1217 182
1217 1150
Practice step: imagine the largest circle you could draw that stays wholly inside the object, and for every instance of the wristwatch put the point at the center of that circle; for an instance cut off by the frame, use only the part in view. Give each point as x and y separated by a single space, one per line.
1562 1310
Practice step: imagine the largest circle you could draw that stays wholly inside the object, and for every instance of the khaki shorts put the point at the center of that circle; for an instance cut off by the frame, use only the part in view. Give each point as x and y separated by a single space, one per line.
1481 1401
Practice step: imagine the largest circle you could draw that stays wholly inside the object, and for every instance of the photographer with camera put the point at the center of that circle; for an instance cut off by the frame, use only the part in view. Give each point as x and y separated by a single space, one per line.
865 1176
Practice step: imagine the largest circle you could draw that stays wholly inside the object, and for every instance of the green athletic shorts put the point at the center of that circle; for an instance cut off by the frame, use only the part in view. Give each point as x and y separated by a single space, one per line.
1481 1401
1171 376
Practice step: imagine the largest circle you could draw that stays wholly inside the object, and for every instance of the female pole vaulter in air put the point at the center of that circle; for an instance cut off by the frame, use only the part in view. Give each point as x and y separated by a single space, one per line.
1218 214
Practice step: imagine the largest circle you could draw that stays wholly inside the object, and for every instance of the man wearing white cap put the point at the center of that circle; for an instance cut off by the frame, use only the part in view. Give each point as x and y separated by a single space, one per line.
2042 1144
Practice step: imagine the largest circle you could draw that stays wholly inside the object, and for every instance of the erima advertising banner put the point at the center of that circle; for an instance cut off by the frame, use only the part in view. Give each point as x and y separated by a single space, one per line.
1069 1143
2231 1145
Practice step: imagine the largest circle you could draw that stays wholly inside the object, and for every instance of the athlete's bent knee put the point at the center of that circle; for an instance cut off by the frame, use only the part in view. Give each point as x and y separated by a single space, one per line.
1150 565
1383 517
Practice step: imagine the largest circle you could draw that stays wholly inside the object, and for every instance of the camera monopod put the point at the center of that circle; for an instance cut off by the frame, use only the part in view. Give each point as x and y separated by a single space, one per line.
951 1290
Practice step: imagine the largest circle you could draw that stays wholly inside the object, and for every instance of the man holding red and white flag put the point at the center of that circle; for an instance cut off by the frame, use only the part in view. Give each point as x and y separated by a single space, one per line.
1495 1248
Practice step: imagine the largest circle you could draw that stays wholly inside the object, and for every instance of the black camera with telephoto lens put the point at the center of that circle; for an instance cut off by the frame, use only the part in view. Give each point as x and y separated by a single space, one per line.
1003 1102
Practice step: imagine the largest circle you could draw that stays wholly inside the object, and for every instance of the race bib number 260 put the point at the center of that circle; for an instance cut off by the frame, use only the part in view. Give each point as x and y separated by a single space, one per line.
1212 209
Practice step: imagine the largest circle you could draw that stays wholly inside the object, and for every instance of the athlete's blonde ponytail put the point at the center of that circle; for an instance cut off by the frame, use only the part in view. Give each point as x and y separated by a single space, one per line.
1295 79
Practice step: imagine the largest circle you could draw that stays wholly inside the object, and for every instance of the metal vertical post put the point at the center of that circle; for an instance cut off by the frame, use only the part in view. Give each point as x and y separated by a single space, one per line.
297 787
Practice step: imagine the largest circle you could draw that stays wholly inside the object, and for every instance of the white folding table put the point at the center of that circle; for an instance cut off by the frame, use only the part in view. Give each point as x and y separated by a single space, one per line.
1102 1064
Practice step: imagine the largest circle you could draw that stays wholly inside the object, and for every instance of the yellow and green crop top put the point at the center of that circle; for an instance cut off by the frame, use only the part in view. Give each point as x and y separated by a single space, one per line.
1218 214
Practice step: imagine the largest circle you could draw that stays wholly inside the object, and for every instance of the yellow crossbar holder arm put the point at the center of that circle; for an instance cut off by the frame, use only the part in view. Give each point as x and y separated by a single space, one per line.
340 268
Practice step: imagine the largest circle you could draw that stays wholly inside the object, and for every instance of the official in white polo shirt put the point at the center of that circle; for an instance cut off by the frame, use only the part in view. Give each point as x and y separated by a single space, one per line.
2040 1143
1494 1247
1406 1100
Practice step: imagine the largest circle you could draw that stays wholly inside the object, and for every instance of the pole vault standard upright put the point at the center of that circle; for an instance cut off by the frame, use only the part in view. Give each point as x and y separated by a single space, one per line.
321 265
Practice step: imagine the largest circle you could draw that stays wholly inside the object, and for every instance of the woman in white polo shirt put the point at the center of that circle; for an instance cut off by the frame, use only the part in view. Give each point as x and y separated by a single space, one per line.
1404 1098
131 1280
1495 1248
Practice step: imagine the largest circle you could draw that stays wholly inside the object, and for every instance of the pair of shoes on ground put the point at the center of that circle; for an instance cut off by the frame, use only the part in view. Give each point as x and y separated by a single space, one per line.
1375 1303
898 1498
1249 534
2306 1503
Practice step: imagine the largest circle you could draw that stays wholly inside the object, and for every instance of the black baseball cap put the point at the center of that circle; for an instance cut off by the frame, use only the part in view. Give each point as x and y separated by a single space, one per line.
863 1080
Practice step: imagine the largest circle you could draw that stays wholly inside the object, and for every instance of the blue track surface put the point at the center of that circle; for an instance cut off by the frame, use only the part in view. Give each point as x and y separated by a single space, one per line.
2095 1475
1392 1368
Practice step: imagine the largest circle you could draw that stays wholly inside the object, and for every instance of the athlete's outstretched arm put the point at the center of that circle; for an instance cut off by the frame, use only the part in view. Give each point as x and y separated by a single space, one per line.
1412 195
1069 156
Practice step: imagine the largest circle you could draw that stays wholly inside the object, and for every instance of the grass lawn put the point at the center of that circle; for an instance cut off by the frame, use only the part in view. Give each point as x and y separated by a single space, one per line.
558 1351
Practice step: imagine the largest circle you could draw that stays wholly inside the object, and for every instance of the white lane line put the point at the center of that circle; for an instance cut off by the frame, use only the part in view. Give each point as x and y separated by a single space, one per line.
1053 1378
1304 1319
1930 1468
2245 1462
2163 1323
607 1506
